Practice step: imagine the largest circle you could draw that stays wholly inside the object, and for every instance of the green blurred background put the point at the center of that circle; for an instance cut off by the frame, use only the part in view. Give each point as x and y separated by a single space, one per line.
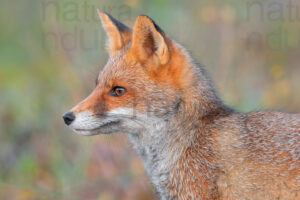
51 52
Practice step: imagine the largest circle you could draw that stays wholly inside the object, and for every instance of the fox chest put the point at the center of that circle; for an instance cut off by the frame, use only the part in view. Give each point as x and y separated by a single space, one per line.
157 163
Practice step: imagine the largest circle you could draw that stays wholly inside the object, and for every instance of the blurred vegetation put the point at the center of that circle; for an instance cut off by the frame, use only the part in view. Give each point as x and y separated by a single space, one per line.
51 51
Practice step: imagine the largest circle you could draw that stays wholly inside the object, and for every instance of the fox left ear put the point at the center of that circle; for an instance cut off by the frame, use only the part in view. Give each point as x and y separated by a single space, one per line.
119 34
148 41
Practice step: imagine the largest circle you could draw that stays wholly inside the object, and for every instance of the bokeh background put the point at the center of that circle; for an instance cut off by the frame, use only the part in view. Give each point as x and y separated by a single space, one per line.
51 52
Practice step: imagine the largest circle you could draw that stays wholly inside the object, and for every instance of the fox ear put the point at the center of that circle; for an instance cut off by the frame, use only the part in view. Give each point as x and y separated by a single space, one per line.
148 41
119 34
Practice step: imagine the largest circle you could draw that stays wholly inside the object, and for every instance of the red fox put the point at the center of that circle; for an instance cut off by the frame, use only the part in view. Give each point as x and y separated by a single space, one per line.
191 144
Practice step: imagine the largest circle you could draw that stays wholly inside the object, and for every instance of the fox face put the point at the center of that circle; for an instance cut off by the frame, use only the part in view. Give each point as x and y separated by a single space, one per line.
138 85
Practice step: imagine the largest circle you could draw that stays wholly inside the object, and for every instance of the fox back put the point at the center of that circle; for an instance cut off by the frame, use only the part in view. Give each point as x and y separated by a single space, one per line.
192 145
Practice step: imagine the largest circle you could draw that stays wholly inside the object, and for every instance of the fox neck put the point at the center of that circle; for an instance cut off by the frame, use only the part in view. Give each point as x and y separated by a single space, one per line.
162 144
162 147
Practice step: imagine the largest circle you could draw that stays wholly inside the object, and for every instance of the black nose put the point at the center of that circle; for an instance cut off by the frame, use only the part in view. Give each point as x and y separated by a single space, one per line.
68 117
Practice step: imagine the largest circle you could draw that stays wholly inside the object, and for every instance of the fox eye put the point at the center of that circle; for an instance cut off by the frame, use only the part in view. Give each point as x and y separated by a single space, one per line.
117 91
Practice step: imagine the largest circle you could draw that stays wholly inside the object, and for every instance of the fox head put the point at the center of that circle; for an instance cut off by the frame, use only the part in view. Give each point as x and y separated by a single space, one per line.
146 78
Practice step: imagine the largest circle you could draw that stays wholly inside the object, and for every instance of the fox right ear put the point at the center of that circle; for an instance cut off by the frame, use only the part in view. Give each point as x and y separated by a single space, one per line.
149 41
119 34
